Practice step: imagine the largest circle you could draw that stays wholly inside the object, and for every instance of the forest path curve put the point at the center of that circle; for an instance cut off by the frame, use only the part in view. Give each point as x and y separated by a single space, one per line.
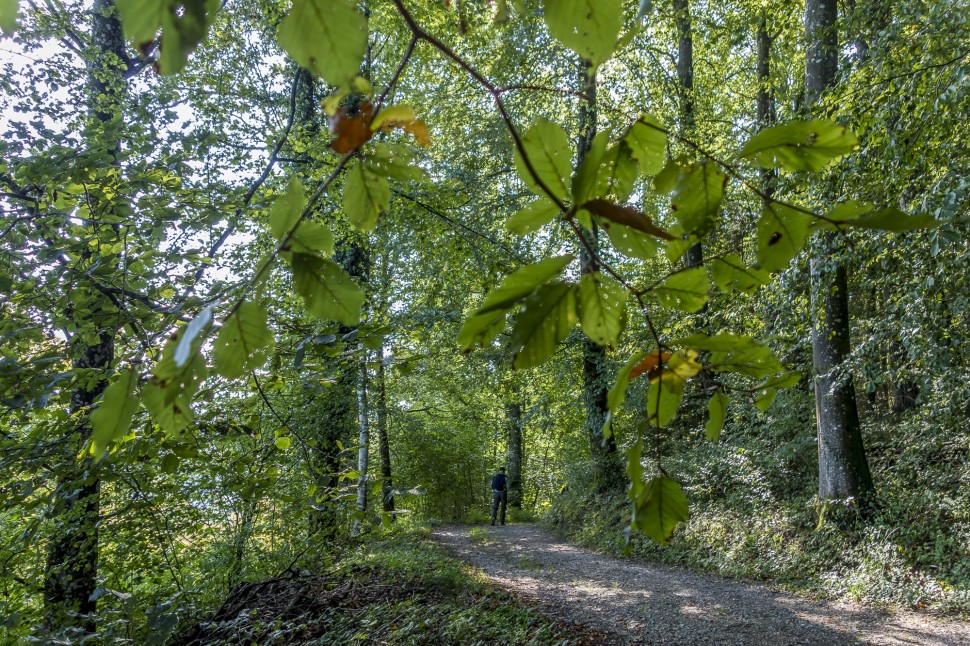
645 603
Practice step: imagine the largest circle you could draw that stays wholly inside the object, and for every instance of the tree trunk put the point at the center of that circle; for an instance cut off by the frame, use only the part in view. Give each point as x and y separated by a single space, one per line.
387 485
685 97
766 100
363 444
513 416
596 382
71 569
842 466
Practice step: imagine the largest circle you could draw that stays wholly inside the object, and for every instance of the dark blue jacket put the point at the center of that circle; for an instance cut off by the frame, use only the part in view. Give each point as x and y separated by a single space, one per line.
499 482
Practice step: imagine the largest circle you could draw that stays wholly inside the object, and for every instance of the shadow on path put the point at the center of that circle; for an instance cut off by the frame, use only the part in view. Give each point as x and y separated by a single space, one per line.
656 604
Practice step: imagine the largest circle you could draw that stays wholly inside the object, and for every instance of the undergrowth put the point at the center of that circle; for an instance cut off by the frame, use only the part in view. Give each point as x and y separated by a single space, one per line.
397 590
754 515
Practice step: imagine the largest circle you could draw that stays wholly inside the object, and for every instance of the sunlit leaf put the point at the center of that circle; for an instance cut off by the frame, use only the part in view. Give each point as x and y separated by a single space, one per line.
782 232
663 398
547 148
548 317
808 146
601 308
716 413
588 27
662 507
532 217
686 290
111 421
243 343
366 196
523 282
697 195
183 25
632 242
648 144
730 272
328 37
8 16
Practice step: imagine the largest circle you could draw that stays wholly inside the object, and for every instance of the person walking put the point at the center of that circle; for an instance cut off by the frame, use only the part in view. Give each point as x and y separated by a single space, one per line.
500 493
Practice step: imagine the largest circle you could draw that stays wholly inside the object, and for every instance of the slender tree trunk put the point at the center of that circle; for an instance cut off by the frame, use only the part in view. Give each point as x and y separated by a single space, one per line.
766 99
596 382
513 416
685 97
363 443
387 484
842 466
70 574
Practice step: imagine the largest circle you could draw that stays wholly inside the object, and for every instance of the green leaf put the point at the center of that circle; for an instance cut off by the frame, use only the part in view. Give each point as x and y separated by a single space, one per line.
8 16
547 148
634 471
548 317
782 232
393 161
730 272
602 304
168 394
481 329
661 508
366 196
614 175
784 380
617 393
894 220
584 179
648 144
663 398
523 282
283 443
243 343
752 360
716 413
183 23
328 37
716 343
487 321
588 27
686 290
697 196
285 214
808 146
532 217
764 398
111 421
631 242
327 290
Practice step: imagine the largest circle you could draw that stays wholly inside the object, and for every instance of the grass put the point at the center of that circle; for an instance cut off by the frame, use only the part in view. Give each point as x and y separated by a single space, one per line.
399 590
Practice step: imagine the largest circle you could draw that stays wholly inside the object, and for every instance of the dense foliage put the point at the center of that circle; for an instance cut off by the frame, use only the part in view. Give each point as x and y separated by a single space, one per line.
276 277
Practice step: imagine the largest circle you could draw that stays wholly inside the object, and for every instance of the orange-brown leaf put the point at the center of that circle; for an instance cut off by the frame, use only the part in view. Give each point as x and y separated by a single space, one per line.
649 364
352 130
627 216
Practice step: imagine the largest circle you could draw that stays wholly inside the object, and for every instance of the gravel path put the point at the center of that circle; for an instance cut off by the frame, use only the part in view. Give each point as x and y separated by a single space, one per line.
643 603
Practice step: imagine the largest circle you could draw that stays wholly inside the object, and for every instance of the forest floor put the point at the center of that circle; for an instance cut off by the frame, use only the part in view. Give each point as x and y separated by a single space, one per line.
644 603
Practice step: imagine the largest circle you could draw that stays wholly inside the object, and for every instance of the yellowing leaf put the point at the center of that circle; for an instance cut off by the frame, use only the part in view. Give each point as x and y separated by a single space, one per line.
400 113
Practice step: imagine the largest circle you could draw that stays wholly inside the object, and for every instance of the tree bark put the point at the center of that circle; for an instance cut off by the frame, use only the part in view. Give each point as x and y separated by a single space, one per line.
387 484
842 466
363 443
596 382
766 100
513 416
71 569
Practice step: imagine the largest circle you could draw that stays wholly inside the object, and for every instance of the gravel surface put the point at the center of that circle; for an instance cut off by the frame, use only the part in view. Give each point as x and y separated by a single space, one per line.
643 603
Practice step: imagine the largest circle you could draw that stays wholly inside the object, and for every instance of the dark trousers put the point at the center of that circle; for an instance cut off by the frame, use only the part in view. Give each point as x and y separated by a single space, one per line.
499 497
